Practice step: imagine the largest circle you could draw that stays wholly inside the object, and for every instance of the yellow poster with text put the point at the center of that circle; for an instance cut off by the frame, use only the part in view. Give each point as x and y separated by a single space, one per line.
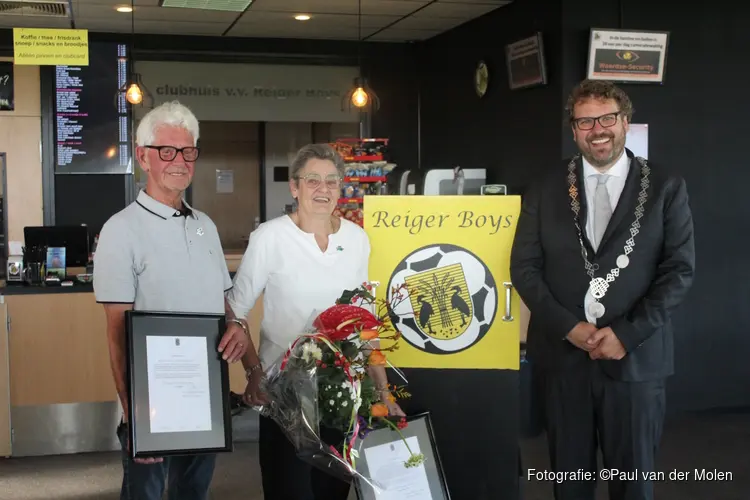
453 255
50 47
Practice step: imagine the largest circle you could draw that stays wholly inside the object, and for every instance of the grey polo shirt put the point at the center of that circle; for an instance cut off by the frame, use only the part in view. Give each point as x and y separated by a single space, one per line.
152 256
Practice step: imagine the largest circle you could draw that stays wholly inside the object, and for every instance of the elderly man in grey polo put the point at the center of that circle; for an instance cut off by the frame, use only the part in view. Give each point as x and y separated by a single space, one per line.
160 254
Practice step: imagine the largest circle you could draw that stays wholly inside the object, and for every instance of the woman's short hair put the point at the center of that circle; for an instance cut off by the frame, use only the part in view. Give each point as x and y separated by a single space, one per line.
171 114
316 152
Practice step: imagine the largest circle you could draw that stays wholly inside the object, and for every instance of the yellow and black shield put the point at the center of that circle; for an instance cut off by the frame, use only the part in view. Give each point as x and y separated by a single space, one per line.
441 302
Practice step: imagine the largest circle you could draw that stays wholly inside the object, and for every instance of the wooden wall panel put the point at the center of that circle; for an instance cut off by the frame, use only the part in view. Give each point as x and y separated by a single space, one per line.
231 147
5 428
21 140
60 356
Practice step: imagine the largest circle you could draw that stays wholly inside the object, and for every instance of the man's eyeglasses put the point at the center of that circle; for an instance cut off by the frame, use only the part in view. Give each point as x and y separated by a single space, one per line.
169 153
313 181
605 121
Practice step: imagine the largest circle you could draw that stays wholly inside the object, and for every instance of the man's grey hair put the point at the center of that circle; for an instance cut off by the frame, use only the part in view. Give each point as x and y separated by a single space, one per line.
316 152
171 114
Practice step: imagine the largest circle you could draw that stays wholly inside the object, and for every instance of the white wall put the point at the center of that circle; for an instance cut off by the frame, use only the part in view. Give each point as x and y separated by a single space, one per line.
252 92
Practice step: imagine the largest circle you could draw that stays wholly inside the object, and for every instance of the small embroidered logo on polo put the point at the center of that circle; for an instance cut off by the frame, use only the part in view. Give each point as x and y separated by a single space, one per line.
199 232
340 248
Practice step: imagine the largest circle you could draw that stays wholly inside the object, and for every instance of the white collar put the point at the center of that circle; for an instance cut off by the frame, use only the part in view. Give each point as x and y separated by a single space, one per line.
619 169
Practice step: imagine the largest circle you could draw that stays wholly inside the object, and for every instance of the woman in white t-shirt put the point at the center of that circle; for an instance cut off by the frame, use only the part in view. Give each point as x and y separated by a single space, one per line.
301 262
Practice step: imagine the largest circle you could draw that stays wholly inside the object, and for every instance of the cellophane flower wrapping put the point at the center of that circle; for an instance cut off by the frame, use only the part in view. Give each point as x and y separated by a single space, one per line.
290 387
319 391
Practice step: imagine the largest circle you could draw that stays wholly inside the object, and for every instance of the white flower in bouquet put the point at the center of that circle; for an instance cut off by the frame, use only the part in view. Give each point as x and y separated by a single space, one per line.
311 351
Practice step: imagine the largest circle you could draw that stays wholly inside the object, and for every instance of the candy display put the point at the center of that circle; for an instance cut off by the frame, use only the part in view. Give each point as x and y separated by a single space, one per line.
353 214
365 174
372 149
369 169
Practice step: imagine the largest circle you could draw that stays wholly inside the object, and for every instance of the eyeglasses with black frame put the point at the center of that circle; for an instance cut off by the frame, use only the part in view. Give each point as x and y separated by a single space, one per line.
312 180
169 153
587 123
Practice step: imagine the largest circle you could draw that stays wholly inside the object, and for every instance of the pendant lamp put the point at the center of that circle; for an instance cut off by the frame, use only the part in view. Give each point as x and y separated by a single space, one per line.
134 91
361 96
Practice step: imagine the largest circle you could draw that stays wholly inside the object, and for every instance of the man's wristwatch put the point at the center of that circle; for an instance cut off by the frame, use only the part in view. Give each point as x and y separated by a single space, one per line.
249 372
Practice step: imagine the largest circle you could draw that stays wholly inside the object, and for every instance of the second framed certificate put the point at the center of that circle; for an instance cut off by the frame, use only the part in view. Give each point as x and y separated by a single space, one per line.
178 384
382 454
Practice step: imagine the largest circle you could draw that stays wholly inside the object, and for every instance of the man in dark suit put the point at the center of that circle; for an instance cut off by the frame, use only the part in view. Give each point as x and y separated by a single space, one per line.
603 253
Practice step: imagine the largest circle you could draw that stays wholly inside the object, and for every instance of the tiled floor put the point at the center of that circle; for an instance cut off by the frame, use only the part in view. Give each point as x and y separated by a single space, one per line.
708 441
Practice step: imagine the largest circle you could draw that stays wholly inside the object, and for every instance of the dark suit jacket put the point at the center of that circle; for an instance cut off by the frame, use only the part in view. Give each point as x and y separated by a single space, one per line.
548 271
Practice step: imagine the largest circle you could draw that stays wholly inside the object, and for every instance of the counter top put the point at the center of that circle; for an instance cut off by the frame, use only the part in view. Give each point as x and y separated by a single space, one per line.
14 289
23 289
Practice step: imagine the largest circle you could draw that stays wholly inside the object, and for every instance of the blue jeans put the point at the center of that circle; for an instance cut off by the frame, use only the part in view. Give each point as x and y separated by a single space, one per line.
189 476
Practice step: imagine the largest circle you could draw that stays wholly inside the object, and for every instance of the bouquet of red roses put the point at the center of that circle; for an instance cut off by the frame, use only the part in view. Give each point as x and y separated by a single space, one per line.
322 385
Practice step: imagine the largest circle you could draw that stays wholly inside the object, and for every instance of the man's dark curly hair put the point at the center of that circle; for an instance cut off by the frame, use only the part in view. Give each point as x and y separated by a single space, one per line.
599 89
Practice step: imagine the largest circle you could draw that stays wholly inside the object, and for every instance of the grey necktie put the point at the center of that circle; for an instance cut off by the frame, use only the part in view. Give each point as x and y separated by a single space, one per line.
602 209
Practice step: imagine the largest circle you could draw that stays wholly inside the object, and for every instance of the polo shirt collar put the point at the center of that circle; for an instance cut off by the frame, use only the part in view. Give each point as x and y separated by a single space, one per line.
160 209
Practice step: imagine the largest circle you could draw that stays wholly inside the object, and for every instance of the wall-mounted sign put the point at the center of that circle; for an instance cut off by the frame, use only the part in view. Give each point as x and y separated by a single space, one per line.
50 47
627 56
526 63
7 101
252 92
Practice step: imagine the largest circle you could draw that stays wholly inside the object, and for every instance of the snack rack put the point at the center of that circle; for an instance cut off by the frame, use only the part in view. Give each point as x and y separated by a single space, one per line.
366 171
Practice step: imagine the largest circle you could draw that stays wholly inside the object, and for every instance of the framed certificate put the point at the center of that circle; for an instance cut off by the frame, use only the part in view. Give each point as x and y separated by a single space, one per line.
382 454
178 385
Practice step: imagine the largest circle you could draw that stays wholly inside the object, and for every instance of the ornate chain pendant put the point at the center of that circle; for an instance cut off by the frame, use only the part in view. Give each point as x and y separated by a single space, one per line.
598 286
596 310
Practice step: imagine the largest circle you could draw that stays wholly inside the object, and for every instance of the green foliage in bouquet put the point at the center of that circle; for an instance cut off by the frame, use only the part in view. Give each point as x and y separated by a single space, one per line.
347 343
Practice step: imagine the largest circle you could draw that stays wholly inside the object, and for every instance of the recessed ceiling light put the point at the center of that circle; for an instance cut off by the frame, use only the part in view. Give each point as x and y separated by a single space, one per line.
302 17
124 8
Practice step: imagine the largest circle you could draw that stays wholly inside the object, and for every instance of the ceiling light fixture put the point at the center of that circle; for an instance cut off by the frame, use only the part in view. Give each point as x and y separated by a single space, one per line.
133 91
361 96
124 9
302 17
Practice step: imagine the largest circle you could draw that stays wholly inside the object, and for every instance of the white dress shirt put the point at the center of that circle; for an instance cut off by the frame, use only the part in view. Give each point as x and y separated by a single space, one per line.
296 278
618 174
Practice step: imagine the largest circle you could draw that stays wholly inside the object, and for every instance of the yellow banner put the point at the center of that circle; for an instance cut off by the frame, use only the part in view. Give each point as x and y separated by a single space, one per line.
453 254
50 47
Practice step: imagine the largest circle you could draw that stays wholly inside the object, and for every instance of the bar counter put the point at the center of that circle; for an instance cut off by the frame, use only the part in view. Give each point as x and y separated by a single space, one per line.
56 390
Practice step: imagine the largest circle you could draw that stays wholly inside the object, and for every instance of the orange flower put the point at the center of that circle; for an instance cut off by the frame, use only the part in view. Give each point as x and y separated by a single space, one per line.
379 410
369 334
377 358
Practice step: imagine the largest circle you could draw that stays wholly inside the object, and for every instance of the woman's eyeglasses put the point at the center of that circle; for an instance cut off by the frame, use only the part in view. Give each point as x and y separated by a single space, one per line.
169 153
313 181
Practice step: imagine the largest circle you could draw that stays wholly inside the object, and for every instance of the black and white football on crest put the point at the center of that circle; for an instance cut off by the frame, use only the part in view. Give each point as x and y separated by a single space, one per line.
451 302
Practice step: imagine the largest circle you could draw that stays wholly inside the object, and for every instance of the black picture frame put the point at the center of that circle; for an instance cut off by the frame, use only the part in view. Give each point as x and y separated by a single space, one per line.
526 62
7 86
140 325
419 426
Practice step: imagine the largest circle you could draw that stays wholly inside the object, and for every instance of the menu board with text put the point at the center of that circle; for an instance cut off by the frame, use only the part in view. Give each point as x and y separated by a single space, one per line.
93 121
